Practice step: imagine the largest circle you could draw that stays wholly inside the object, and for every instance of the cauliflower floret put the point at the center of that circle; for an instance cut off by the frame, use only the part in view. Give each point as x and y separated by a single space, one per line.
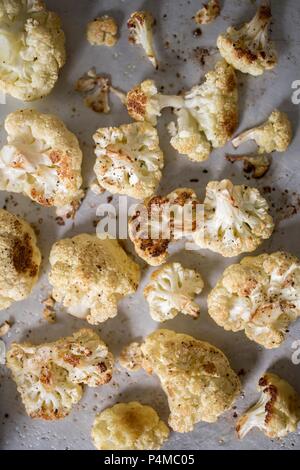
42 160
50 376
273 135
159 221
257 164
214 104
277 413
188 138
20 259
236 219
131 357
95 88
144 103
129 426
209 12
89 276
171 290
260 295
129 159
102 31
140 26
249 49
32 49
196 376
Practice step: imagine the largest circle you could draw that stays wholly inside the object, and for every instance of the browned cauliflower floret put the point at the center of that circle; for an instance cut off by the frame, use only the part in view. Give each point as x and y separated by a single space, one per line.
20 259
129 426
276 414
32 49
214 104
196 376
209 12
159 221
102 31
249 49
236 219
258 165
129 159
260 295
50 376
140 26
42 160
89 276
95 89
171 290
273 135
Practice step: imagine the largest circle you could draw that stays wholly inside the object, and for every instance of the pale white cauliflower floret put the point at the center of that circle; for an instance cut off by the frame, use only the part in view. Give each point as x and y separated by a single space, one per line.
129 426
249 49
129 159
260 295
20 259
32 49
89 276
236 219
171 290
42 160
196 376
209 12
276 414
102 30
140 26
50 376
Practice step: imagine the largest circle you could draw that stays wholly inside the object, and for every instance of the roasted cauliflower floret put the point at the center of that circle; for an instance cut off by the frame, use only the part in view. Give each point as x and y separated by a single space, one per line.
102 31
89 276
129 426
277 413
260 295
214 104
171 290
249 48
144 103
20 259
42 160
258 165
160 220
50 376
32 49
140 26
95 89
209 12
273 135
196 376
236 219
188 138
129 159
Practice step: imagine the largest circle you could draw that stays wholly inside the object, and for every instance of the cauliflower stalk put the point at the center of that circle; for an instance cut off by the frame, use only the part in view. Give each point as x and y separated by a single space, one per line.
209 12
129 426
129 159
96 89
42 160
32 49
50 377
249 49
171 290
196 376
276 414
260 295
102 31
140 26
20 259
89 276
236 219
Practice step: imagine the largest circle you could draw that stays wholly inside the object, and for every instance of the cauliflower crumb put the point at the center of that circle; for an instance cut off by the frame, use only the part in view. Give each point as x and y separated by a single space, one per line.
259 165
129 426
89 276
4 328
249 49
102 31
236 219
277 413
50 377
209 12
42 160
20 259
140 26
129 159
2 352
171 290
260 295
196 377
131 357
49 313
96 89
32 49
